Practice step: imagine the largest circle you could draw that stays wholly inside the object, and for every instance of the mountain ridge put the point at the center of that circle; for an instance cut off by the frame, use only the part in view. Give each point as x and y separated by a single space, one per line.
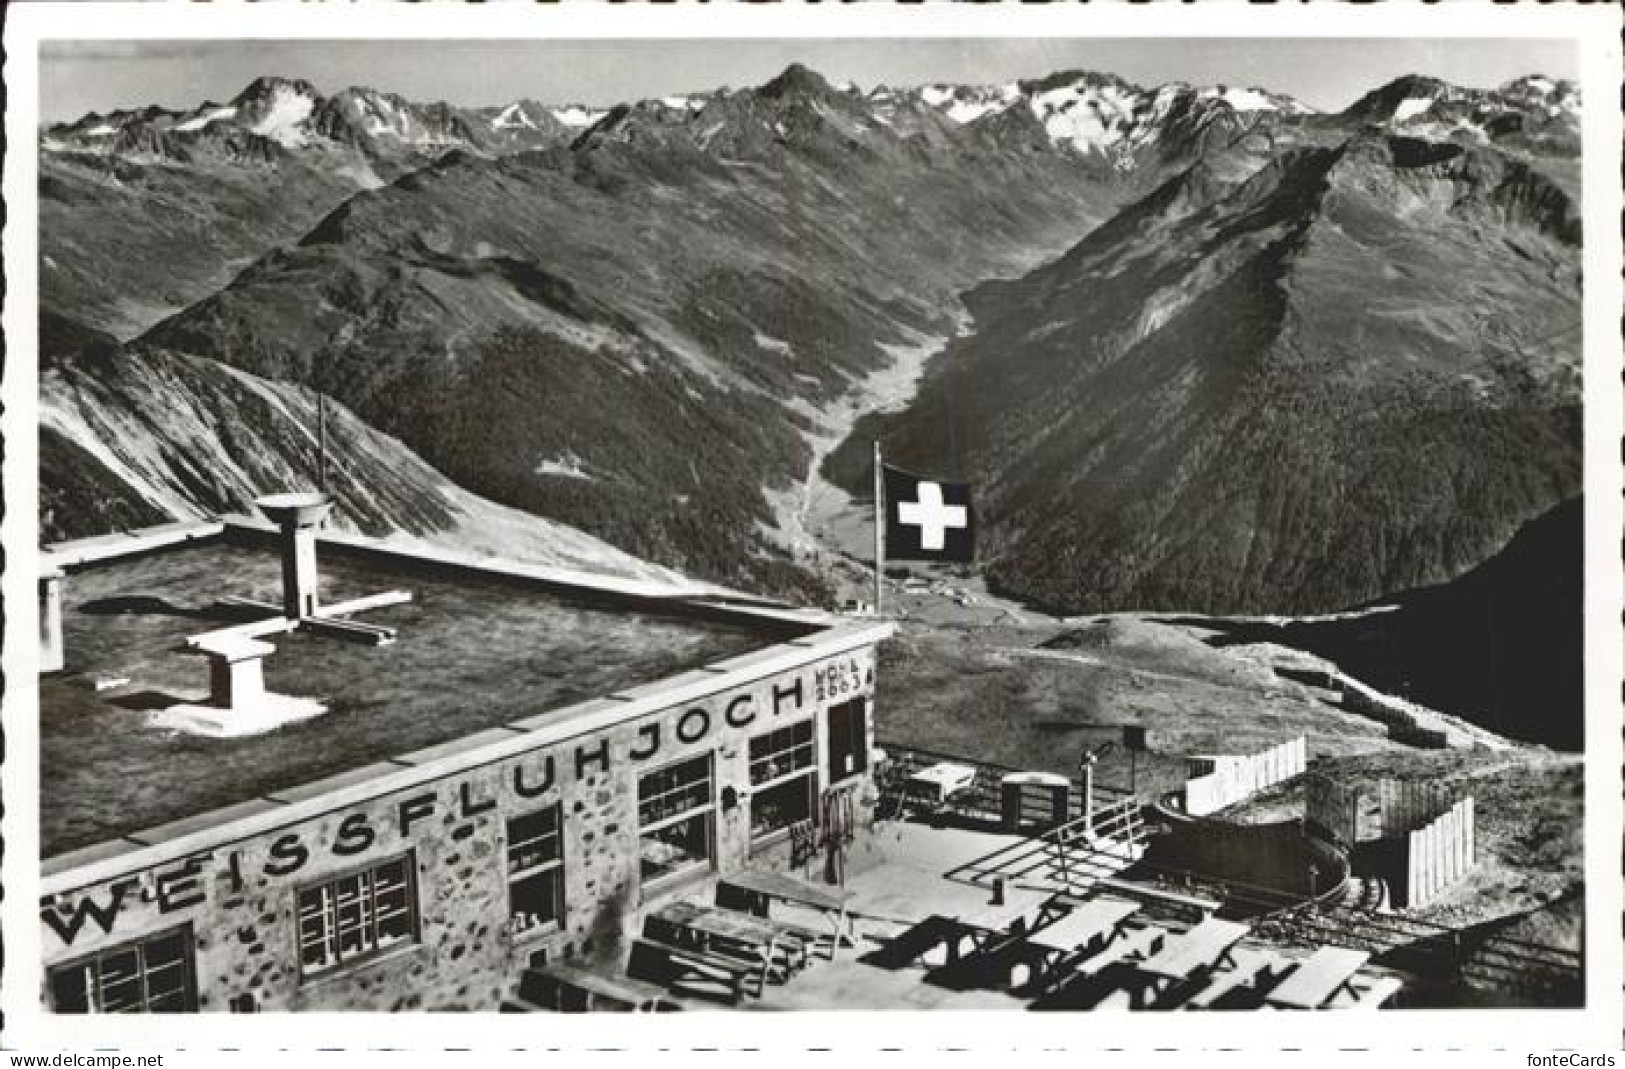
720 265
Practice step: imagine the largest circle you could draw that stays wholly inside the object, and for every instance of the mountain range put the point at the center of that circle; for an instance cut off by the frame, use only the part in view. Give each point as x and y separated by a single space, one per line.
1222 351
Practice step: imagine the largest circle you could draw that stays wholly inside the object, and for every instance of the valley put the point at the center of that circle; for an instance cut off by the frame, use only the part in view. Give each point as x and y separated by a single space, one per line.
1271 417
660 337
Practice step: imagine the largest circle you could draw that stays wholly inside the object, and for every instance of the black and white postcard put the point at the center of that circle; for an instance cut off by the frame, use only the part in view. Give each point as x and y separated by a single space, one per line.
1089 528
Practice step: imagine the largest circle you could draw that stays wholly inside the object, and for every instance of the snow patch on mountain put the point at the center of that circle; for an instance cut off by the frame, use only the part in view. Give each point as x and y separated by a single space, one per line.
284 120
1241 99
198 123
569 466
1086 116
773 345
1411 107
511 117
576 115
961 103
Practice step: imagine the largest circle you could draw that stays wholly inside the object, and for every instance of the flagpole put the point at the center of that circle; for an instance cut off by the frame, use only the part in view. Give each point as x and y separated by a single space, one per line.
880 529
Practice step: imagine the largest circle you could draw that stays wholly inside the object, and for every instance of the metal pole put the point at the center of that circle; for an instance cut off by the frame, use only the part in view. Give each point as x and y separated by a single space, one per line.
1086 769
321 424
880 529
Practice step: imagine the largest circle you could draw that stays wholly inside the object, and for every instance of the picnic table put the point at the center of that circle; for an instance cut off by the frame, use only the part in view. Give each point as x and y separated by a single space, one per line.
1198 951
984 927
755 890
1245 978
1134 944
1084 929
686 924
1372 996
1318 979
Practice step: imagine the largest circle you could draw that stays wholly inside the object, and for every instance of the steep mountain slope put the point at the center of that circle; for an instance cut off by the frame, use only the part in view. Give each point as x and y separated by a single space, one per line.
1353 370
632 320
141 439
146 211
1502 645
628 334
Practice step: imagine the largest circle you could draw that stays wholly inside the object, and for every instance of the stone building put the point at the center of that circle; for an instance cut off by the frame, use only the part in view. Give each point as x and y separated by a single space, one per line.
459 767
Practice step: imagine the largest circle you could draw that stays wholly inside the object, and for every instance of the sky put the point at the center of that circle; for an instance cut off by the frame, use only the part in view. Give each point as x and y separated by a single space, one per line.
1329 74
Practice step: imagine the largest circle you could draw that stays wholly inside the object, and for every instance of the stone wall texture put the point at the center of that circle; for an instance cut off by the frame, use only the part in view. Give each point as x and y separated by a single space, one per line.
239 899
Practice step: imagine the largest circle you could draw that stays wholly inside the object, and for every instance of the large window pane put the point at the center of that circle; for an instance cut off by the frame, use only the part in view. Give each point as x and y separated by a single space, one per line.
772 809
535 871
674 814
676 847
780 752
784 778
152 975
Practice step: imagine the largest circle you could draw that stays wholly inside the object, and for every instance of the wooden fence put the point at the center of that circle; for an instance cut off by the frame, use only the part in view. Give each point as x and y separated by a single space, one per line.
1350 814
1439 853
1221 780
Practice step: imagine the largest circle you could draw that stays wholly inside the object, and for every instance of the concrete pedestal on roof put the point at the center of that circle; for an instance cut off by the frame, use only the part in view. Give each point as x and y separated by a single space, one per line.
298 516
238 703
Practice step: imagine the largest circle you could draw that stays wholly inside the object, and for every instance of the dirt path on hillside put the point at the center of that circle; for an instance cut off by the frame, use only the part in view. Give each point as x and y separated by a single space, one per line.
818 521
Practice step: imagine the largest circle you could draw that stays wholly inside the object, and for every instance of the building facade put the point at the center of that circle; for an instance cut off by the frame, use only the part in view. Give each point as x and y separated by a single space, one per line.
431 879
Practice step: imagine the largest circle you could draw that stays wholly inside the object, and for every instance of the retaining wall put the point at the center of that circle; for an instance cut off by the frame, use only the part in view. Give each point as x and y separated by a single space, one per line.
1278 857
1401 720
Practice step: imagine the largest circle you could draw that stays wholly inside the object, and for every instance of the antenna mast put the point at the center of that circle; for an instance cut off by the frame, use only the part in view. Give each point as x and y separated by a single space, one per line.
321 436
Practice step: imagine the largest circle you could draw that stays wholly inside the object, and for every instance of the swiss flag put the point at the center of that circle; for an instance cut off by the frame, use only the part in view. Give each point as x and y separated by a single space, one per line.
927 519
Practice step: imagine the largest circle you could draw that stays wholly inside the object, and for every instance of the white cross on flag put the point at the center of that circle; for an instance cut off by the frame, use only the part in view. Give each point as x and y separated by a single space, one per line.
927 519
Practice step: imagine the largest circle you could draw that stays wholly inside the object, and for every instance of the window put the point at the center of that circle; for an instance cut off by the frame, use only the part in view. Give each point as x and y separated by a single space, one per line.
848 739
674 817
535 871
357 916
783 777
152 975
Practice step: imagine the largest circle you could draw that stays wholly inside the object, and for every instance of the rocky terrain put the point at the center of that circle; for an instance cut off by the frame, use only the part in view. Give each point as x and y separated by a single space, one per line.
1311 369
642 322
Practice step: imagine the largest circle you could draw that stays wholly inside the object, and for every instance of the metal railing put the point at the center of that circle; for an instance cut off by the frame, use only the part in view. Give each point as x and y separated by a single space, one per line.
983 798
1065 859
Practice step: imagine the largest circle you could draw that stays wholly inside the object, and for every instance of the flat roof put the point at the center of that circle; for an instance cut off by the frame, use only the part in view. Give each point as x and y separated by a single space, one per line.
476 649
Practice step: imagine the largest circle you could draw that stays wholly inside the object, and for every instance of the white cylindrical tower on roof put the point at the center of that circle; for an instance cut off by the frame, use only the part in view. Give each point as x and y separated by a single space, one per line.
298 515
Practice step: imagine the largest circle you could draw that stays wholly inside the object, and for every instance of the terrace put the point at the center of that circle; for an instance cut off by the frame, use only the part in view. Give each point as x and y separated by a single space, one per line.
921 935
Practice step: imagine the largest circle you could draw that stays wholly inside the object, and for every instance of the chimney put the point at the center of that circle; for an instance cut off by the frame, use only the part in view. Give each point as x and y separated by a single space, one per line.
50 620
298 516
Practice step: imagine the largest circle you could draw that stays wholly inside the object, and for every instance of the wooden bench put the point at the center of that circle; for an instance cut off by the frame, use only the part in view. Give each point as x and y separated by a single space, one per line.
812 940
753 891
668 964
566 988
1202 907
710 928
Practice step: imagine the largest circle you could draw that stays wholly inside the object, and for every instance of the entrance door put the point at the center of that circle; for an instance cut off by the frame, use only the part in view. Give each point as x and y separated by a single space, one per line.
848 739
